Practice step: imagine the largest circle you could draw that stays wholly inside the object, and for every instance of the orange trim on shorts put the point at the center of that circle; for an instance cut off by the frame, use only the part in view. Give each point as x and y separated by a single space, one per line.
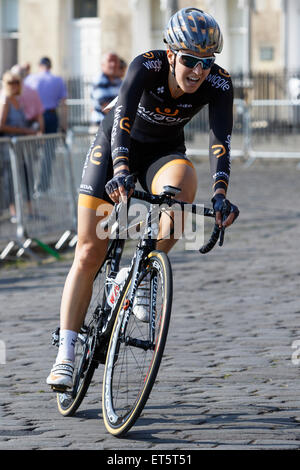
178 161
90 202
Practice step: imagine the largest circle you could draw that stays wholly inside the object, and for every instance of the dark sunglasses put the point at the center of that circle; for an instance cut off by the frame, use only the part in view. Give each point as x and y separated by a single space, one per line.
13 82
191 61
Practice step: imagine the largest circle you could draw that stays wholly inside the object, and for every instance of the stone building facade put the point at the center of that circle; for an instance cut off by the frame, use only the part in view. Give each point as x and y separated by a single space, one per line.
259 35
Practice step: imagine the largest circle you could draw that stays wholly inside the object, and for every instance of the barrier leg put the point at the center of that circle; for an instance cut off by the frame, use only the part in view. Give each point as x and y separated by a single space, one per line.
63 239
9 247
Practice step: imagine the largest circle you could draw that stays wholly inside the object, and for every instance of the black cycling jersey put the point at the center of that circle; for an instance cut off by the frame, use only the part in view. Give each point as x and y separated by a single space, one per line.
146 112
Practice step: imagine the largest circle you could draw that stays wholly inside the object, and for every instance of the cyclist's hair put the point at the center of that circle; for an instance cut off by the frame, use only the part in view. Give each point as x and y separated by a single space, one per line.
195 30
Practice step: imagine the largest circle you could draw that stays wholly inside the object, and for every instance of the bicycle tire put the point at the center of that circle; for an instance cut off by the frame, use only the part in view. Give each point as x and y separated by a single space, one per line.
69 401
119 417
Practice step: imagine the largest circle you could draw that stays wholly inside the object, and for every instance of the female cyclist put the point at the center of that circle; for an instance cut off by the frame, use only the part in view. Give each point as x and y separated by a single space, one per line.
144 134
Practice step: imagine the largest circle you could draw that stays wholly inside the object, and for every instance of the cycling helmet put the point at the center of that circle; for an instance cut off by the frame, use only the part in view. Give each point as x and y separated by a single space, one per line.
193 29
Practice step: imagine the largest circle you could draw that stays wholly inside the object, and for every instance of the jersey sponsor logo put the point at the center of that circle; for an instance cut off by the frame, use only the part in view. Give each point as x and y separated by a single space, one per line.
119 150
228 141
153 65
125 125
224 73
185 105
116 122
149 55
167 112
219 150
159 118
218 82
86 187
221 174
96 155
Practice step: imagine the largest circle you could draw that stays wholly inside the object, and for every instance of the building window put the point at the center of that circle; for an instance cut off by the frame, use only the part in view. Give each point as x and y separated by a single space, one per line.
10 16
9 34
266 53
85 9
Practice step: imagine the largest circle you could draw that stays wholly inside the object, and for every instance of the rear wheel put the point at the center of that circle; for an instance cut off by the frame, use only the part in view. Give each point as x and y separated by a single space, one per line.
86 348
69 401
134 355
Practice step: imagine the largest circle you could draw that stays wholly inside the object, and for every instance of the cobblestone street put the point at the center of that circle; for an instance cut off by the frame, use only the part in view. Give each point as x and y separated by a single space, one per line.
229 378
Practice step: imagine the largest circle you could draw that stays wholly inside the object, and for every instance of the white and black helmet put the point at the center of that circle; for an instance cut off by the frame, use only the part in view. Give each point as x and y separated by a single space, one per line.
195 30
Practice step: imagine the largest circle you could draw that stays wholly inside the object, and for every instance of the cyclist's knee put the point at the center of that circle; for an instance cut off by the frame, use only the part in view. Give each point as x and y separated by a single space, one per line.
188 193
189 186
183 176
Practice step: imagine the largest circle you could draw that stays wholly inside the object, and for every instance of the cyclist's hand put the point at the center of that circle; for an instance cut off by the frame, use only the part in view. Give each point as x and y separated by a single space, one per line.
226 212
120 186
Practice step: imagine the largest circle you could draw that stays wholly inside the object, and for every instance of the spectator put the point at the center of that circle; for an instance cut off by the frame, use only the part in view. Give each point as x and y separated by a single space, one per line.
13 123
12 115
106 86
53 92
30 101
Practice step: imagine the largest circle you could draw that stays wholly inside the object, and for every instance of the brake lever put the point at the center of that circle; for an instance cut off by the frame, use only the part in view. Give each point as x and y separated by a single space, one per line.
222 235
225 213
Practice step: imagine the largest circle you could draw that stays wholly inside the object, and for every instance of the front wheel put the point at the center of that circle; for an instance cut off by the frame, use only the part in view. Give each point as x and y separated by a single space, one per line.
136 347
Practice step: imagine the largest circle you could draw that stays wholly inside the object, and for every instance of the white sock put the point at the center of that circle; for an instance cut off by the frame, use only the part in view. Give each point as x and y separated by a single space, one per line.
66 350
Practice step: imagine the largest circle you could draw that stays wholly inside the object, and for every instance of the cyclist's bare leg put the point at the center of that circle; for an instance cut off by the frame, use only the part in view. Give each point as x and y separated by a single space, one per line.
89 254
182 175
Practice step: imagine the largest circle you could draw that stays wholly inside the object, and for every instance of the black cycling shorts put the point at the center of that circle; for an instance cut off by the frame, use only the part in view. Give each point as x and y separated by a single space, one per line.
146 162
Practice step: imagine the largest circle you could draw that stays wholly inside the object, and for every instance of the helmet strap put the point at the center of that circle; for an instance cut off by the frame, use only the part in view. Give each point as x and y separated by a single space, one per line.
173 66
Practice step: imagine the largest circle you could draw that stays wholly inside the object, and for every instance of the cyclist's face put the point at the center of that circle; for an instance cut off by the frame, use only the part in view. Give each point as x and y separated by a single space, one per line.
187 78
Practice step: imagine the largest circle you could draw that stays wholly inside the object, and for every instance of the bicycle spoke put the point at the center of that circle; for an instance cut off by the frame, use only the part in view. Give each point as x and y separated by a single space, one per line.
133 363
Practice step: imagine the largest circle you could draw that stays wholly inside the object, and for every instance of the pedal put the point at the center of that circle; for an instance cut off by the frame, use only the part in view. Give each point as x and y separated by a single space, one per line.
60 388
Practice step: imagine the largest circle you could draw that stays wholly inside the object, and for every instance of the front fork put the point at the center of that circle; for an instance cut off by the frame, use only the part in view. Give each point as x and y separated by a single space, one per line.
139 270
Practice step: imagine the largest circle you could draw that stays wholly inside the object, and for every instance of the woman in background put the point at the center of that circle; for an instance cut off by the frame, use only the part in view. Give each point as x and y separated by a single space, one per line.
12 123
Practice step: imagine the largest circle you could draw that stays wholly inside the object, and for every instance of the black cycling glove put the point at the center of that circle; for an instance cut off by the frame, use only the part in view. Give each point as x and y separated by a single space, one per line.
223 205
123 178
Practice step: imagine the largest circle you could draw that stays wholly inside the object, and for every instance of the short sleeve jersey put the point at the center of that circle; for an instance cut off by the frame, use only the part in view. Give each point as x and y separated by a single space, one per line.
146 111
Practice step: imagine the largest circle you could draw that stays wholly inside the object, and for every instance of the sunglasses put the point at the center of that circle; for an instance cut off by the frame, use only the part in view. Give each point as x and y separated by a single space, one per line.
191 61
14 82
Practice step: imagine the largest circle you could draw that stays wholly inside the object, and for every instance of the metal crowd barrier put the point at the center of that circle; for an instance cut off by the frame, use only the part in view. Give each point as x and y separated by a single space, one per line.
262 129
197 132
40 176
7 196
44 194
273 130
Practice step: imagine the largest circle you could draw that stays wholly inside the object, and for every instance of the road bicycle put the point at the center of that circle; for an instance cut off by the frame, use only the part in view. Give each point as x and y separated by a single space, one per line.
130 349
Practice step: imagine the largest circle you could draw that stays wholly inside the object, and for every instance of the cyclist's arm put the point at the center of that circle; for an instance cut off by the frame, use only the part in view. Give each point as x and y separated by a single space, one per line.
221 122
